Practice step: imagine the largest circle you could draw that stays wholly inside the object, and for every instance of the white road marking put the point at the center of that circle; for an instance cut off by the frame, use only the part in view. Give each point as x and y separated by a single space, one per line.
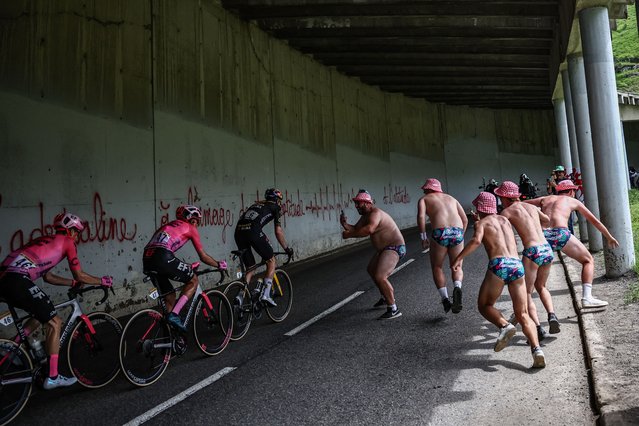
179 397
402 266
323 314
426 251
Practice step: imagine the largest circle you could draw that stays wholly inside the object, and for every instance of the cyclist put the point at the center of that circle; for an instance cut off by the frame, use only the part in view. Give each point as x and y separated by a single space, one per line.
159 258
248 233
34 260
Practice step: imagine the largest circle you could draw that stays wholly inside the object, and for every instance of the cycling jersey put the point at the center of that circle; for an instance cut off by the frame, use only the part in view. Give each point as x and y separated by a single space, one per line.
40 255
259 214
174 235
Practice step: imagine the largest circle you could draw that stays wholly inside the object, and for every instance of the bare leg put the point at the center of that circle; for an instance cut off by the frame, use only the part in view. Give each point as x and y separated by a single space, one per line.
453 252
517 291
380 268
576 250
437 256
53 335
530 269
540 285
489 292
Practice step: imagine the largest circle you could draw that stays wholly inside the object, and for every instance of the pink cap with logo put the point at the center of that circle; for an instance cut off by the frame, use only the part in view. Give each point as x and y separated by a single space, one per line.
508 189
486 203
432 184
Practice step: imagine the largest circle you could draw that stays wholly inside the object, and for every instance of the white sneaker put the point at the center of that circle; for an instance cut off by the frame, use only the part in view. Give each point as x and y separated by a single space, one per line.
58 382
591 302
505 334
539 360
267 299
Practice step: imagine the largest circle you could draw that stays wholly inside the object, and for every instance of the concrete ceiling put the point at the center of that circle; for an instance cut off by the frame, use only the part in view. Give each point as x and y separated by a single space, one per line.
496 54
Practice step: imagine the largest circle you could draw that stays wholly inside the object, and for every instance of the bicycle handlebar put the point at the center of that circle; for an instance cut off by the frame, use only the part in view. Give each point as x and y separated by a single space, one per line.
208 271
288 259
78 291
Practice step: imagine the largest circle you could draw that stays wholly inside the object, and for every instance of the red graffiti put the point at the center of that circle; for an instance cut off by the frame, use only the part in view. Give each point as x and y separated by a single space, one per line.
103 228
396 195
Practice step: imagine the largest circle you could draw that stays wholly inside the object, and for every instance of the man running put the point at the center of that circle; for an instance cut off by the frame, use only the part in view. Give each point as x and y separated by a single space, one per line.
387 240
558 208
504 268
448 221
537 254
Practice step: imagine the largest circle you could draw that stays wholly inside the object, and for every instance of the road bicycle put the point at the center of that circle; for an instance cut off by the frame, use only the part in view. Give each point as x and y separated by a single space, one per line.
148 340
245 296
91 352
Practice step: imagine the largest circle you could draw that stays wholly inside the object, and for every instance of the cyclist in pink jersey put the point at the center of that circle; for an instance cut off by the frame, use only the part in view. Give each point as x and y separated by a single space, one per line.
35 260
159 258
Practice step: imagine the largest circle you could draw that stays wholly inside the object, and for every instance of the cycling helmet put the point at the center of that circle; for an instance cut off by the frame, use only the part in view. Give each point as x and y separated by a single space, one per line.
188 212
68 221
273 194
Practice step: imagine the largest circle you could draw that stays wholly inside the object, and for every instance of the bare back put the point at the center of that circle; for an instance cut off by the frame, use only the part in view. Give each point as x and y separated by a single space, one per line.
498 237
526 220
385 232
558 209
442 209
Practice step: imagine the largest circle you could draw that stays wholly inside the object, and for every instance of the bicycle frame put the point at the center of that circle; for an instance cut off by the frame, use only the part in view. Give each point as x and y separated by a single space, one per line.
199 293
66 330
243 270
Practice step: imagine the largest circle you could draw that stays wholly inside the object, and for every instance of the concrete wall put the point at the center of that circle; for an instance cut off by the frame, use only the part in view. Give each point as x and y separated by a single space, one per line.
120 117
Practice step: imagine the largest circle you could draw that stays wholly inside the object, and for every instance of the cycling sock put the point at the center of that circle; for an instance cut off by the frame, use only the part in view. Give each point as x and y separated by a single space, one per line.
53 366
267 286
393 307
458 284
180 304
443 292
586 289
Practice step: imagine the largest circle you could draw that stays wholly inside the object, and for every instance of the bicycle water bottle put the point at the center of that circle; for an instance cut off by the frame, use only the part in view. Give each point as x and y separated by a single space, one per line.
38 350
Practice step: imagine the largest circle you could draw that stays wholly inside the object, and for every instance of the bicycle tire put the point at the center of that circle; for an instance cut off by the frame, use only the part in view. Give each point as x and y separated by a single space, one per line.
142 363
282 295
240 299
213 326
93 356
16 379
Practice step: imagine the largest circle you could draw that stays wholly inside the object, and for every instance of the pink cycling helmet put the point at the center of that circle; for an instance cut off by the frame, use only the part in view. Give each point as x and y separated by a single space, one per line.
188 212
68 221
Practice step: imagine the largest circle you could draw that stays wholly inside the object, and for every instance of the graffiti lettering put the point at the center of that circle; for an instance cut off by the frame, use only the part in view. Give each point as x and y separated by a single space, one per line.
103 228
397 195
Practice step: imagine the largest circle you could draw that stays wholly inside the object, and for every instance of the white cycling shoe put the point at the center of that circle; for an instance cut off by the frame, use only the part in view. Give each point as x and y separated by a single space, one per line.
59 382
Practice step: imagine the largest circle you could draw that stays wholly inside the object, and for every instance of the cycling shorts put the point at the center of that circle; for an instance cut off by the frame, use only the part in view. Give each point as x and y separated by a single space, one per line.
247 239
166 266
20 292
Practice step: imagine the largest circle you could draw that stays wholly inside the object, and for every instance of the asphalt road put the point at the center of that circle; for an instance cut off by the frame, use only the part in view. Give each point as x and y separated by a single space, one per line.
426 367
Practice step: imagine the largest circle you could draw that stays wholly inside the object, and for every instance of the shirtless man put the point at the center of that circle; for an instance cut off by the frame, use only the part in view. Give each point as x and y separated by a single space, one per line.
504 268
387 240
537 254
558 208
449 222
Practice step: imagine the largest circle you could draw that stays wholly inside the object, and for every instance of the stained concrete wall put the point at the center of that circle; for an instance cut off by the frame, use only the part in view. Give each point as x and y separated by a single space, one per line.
631 135
121 110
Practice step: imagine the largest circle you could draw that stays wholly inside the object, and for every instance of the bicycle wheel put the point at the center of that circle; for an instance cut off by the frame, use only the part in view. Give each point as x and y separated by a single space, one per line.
145 347
282 294
16 380
213 325
240 299
92 352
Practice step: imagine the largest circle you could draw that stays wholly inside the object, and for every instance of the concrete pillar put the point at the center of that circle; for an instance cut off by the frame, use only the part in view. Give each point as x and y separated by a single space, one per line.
574 150
562 132
606 137
577 76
